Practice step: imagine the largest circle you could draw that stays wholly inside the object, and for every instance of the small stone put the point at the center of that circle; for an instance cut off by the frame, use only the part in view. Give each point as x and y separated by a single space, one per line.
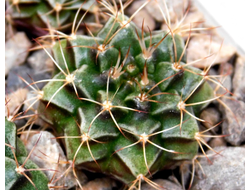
16 50
14 103
226 172
153 9
192 17
175 8
40 61
149 22
100 184
217 141
199 47
212 116
226 71
14 81
32 97
47 145
163 183
14 100
234 120
239 79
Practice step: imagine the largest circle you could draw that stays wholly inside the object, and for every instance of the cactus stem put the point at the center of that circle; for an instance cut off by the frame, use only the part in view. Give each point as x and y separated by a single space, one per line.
162 82
84 139
107 106
69 77
148 52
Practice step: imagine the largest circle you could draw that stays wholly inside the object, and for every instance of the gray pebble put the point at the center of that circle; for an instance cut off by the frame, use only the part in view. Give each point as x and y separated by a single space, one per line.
239 79
14 82
234 123
16 50
226 69
40 61
226 173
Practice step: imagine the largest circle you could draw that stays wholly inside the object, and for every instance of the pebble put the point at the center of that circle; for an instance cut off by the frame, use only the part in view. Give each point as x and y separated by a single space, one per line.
16 50
49 146
142 15
40 61
226 71
192 17
212 116
217 141
239 79
15 99
176 8
164 184
14 104
226 172
14 81
100 184
153 9
234 120
199 46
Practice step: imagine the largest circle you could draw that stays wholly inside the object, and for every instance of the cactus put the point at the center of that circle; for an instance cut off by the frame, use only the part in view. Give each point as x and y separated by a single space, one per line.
122 102
20 172
35 15
125 103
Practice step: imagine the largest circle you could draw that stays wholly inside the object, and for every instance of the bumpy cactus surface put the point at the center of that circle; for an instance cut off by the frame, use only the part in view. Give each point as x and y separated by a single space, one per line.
20 172
39 14
125 103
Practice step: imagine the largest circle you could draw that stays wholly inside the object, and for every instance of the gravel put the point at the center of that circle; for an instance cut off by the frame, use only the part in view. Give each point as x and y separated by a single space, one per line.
227 171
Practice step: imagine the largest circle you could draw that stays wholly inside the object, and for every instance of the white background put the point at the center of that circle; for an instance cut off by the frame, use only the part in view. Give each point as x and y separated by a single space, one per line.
233 16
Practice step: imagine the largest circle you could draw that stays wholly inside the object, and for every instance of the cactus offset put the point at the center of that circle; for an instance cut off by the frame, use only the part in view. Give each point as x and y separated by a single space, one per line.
20 172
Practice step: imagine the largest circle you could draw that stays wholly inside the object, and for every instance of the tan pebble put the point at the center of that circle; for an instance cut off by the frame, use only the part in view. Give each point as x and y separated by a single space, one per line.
201 46
14 100
142 15
16 50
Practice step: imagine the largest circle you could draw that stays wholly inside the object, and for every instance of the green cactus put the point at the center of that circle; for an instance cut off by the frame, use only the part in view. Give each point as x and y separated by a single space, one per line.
125 103
39 14
20 172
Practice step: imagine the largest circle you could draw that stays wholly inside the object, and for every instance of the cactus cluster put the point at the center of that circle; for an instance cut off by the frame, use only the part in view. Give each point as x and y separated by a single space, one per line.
123 102
37 15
